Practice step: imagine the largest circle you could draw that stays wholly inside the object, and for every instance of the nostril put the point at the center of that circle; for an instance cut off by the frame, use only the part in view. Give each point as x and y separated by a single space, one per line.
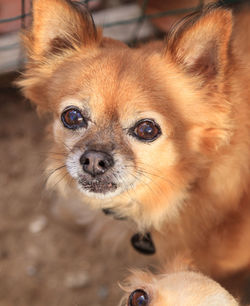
102 164
86 161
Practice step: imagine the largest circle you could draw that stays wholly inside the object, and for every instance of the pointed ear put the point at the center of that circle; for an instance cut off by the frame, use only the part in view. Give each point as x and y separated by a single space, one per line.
200 43
59 25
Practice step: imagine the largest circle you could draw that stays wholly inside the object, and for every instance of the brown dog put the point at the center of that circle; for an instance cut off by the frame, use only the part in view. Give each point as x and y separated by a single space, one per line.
158 134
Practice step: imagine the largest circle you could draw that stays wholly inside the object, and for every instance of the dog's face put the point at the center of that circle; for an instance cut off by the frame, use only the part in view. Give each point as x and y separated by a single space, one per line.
185 288
110 126
133 129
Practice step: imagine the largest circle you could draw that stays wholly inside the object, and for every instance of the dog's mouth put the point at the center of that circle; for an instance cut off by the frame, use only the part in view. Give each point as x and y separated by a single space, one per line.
97 185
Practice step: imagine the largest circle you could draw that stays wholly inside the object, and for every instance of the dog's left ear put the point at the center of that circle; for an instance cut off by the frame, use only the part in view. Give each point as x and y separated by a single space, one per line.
200 43
59 25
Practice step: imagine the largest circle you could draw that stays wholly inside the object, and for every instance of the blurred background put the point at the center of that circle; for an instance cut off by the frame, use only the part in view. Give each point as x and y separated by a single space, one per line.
50 251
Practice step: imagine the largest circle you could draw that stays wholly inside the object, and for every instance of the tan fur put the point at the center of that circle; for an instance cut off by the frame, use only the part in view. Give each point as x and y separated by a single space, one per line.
191 186
182 287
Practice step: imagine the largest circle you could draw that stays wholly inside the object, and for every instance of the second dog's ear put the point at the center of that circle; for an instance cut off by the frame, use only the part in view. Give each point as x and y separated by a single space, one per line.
59 25
200 43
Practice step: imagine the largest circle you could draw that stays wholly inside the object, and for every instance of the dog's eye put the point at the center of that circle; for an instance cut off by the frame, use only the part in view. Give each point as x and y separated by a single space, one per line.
138 298
73 119
146 130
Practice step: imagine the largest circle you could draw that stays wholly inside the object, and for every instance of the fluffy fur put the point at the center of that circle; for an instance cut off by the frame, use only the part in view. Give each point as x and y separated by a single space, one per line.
181 287
191 185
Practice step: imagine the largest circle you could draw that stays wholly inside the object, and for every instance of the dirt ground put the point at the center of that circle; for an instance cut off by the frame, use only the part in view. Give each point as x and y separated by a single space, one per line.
43 260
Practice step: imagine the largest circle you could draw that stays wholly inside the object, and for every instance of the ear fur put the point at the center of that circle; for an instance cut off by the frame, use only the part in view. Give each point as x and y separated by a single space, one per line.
200 42
59 25
59 28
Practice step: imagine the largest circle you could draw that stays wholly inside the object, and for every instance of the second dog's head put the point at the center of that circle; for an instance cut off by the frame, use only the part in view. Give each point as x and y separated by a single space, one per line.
133 128
185 288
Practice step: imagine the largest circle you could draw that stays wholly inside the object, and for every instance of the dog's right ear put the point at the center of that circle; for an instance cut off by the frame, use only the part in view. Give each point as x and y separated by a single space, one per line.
59 25
59 28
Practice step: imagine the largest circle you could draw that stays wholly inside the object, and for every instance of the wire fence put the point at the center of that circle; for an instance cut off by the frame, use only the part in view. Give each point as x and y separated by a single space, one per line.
8 44
23 15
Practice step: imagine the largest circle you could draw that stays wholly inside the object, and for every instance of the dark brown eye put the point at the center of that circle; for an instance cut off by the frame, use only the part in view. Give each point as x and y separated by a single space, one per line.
146 130
138 298
73 119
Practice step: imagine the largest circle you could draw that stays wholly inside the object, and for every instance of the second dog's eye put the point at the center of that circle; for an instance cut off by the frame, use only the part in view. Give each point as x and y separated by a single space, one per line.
73 119
146 130
138 298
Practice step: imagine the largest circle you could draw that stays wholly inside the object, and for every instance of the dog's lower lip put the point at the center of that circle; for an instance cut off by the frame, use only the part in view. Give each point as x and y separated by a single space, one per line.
97 185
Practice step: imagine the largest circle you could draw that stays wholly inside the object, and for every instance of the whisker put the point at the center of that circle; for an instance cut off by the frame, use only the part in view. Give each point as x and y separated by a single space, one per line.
129 187
52 172
142 173
67 147
55 159
57 153
155 175
152 189
142 181
60 180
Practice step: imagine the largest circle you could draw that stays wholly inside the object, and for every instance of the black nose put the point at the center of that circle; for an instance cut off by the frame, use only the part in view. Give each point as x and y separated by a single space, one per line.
96 162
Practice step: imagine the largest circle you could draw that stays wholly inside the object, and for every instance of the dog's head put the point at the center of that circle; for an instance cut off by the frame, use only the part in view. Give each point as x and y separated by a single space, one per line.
179 283
133 128
185 288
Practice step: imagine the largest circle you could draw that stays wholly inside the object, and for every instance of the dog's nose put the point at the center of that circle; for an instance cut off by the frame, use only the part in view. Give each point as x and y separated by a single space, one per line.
96 162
